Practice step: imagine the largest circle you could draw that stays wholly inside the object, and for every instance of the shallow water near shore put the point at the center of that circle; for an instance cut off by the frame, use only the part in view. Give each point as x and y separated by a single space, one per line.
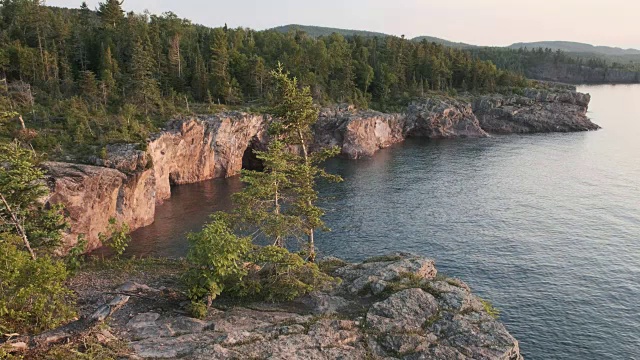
547 227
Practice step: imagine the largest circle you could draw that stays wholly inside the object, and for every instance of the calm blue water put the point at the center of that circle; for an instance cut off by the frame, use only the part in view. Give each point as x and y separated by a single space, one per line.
547 227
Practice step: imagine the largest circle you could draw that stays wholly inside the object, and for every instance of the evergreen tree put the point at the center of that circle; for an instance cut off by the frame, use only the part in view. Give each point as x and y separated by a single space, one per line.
21 211
111 13
294 106
263 201
143 87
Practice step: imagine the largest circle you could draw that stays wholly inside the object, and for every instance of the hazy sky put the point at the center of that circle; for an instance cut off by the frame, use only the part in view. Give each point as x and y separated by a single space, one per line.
482 22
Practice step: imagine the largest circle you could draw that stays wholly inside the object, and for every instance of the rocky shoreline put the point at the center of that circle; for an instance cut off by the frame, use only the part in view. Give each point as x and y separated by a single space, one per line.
389 307
129 181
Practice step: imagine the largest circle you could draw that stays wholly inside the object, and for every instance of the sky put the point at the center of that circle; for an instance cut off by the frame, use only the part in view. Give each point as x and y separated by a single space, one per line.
479 22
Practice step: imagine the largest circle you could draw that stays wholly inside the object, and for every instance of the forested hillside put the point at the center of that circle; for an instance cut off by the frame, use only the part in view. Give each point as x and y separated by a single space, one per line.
81 78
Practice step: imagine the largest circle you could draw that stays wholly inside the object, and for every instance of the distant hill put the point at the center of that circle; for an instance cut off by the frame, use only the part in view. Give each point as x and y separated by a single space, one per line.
575 47
317 31
457 45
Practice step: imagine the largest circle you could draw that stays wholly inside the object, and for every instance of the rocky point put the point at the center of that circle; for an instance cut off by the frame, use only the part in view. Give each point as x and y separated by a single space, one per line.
389 307
128 182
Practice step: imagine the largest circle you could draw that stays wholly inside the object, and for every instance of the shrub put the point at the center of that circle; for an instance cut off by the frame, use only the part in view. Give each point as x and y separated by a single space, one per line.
119 239
216 257
33 297
279 275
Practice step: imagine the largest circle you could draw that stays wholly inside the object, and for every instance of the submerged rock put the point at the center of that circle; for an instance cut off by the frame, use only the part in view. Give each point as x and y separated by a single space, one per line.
417 316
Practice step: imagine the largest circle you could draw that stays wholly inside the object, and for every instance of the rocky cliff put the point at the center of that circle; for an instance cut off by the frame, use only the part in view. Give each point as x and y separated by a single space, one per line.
131 179
390 307
360 133
537 110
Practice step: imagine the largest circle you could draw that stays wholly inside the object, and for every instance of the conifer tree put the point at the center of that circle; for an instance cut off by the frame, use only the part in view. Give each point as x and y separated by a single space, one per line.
143 87
263 202
111 13
295 109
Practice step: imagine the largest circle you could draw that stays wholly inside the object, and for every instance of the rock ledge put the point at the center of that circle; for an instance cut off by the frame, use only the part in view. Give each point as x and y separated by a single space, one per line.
391 307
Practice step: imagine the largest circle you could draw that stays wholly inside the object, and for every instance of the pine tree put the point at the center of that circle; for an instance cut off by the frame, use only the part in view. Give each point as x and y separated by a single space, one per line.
21 210
111 13
110 75
263 202
143 87
220 76
294 106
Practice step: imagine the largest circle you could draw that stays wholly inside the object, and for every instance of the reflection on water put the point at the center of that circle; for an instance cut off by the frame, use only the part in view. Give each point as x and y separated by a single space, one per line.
547 227
187 210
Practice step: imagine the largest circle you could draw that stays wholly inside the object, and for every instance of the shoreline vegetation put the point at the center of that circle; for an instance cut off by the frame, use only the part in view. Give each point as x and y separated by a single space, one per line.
76 81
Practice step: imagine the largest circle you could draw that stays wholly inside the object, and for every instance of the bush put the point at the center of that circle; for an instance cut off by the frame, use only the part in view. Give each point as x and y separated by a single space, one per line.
119 239
279 275
220 261
33 297
216 257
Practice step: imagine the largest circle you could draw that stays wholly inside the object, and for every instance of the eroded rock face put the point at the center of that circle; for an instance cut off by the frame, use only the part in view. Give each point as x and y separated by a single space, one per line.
436 118
128 183
417 316
203 148
359 133
537 110
92 195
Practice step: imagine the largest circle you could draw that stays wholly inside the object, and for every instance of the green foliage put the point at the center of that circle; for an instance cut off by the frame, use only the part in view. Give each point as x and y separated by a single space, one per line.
32 293
279 275
261 203
75 258
73 78
22 187
330 265
119 238
216 257
489 309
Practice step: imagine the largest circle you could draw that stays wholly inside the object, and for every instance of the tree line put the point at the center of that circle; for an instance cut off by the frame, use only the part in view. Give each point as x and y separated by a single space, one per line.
522 59
89 77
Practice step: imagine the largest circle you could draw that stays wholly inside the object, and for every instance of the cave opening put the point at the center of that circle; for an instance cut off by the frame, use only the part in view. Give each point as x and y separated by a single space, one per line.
249 159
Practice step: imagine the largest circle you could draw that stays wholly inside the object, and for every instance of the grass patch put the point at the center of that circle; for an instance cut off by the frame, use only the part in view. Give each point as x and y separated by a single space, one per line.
87 347
490 309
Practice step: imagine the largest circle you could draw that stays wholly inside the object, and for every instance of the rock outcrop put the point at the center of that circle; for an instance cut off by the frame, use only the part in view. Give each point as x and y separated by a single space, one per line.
392 307
92 195
442 118
359 133
203 148
128 183
537 110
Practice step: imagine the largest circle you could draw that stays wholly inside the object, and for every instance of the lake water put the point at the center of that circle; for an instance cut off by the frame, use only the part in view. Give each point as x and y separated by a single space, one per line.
547 227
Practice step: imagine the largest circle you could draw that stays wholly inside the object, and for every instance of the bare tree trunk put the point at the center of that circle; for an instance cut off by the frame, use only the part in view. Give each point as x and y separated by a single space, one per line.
310 230
278 241
18 227
21 122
